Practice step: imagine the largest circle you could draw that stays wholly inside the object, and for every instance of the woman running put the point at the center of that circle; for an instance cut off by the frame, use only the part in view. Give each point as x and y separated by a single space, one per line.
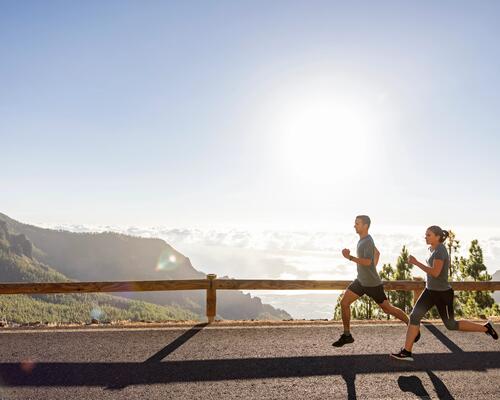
438 292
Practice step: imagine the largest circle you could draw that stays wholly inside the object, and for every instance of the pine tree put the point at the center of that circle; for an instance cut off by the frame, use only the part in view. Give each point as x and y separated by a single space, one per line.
403 299
453 245
475 302
387 273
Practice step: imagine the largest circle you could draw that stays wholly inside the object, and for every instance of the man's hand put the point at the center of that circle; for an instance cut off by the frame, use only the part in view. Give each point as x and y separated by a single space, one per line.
346 253
412 260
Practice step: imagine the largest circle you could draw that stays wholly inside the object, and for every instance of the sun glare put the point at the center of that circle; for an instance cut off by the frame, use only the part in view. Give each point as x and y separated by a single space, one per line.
323 140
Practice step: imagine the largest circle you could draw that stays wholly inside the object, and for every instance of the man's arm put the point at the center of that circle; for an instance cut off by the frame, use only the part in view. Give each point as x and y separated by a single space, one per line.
376 257
365 262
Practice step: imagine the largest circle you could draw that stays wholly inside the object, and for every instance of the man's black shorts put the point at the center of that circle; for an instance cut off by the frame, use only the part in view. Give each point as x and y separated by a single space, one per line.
375 292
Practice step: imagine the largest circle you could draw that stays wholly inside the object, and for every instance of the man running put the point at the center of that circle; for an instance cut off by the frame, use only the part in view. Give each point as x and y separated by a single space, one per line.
368 281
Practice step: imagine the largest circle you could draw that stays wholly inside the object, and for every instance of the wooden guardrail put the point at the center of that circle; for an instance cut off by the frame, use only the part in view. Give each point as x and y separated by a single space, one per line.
212 284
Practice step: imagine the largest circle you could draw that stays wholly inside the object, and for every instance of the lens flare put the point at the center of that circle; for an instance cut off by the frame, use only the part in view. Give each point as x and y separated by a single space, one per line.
167 261
27 366
96 313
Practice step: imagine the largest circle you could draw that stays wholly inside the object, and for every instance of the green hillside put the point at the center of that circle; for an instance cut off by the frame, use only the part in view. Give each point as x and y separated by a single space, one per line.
17 265
112 256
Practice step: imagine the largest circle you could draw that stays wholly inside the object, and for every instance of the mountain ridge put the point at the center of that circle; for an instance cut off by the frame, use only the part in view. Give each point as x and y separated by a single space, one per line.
18 265
115 256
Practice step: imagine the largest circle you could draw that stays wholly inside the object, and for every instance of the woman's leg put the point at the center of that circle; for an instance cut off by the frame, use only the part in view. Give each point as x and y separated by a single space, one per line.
447 314
411 334
423 304
469 326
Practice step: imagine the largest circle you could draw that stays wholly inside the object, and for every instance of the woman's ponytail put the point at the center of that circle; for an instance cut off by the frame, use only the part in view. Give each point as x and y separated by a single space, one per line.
443 235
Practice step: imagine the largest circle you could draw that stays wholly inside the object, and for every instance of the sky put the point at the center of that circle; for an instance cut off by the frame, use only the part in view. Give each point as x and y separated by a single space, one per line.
278 115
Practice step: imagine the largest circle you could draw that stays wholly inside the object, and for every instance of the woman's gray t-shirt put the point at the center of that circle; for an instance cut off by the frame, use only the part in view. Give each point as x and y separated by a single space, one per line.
441 281
367 276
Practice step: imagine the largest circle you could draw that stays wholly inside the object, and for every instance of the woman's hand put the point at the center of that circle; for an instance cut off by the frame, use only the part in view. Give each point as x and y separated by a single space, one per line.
412 260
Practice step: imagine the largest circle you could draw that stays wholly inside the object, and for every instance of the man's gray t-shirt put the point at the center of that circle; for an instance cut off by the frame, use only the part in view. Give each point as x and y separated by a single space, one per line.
367 276
441 281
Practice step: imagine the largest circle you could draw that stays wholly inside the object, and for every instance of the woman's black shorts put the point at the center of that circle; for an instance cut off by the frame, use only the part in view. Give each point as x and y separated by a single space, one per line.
375 292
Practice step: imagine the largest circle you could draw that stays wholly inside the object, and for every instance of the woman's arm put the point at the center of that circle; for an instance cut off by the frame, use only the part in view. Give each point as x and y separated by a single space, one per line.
434 271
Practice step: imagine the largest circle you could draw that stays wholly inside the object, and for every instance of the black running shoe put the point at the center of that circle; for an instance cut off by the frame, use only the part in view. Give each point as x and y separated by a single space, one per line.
491 331
417 338
402 355
344 339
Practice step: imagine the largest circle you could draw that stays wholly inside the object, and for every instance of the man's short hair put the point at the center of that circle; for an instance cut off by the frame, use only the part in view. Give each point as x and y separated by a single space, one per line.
365 218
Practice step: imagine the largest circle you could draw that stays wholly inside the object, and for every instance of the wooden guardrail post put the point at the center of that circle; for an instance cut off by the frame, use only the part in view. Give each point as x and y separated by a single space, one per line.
211 298
417 292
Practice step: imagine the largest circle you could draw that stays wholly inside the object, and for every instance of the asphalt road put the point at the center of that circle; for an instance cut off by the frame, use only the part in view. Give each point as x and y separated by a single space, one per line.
247 363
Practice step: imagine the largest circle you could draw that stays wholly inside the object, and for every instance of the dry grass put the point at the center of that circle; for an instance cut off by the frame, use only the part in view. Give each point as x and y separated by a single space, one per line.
217 323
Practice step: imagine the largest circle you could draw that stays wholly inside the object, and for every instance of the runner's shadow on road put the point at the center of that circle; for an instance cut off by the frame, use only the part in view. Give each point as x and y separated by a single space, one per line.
156 370
171 347
168 349
452 346
414 385
107 374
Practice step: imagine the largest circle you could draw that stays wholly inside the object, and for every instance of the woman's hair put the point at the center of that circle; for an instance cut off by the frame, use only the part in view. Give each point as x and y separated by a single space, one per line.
436 230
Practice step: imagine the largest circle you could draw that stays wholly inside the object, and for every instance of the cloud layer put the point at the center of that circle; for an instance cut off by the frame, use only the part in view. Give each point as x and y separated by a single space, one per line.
291 255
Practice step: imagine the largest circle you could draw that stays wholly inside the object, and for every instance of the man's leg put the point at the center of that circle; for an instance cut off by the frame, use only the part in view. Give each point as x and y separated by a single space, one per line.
378 295
388 308
347 299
